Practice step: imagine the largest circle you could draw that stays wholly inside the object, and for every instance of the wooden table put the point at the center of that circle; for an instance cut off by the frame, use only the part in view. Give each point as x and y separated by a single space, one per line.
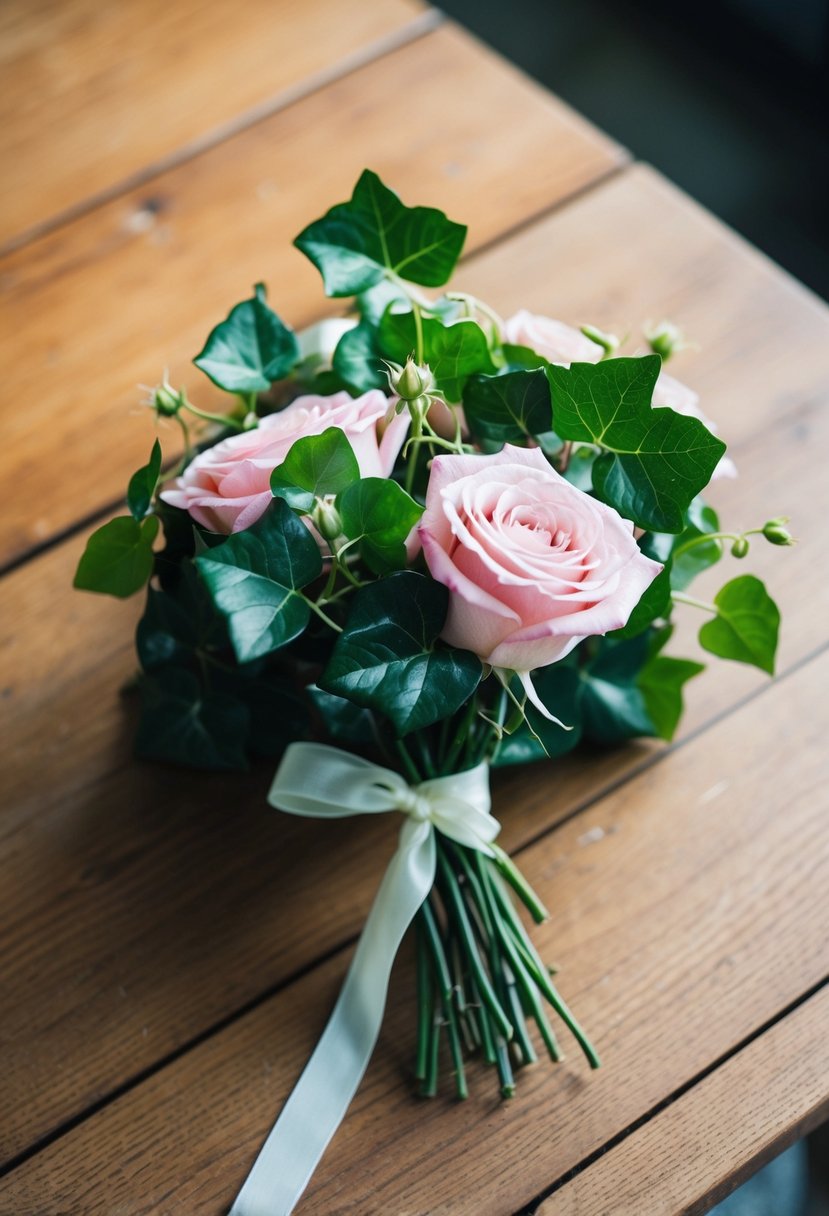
171 947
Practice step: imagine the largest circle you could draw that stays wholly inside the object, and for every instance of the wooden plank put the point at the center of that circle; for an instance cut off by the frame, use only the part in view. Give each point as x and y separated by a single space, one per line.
696 1152
689 910
122 88
114 874
104 304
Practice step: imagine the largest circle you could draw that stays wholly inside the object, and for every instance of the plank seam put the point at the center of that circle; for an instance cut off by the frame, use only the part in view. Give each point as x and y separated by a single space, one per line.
420 26
273 990
532 1207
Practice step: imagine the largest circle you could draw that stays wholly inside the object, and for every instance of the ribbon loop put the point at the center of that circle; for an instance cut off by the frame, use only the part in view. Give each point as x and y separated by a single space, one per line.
324 782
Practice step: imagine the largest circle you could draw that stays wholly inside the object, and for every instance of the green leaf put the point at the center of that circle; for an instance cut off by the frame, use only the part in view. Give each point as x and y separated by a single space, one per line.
612 704
746 625
509 408
655 603
344 721
379 514
255 578
277 715
142 485
183 724
118 559
559 687
315 465
453 352
179 621
522 358
371 304
388 658
653 461
700 519
357 360
661 682
250 349
357 243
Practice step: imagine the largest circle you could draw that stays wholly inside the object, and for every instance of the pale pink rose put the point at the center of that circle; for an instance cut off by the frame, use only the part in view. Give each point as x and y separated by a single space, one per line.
553 340
677 396
227 487
532 564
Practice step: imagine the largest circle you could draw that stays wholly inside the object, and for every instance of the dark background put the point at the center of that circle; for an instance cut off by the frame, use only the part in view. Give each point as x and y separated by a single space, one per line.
727 99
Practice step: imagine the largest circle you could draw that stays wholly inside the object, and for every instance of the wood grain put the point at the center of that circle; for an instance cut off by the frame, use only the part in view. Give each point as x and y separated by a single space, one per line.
105 303
696 1152
689 909
96 94
115 875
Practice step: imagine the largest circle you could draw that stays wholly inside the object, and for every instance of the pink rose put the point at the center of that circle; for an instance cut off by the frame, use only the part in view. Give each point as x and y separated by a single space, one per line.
532 564
553 340
227 487
677 396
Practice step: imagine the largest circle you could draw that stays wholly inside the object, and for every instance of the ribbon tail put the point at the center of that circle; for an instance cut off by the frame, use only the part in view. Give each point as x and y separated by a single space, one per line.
322 1095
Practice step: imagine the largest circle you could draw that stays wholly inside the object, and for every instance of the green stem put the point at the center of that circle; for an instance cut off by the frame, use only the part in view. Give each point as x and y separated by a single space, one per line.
429 1086
705 537
425 758
411 462
502 1063
522 973
522 1038
424 1003
454 901
519 884
441 967
409 290
224 420
188 443
448 765
322 615
679 597
485 1029
542 979
408 763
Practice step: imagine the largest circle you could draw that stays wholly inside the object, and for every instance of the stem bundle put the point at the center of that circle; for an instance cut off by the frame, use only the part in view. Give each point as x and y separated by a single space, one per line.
480 979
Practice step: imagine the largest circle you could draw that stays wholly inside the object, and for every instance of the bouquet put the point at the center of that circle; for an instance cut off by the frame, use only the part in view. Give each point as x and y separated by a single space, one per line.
420 542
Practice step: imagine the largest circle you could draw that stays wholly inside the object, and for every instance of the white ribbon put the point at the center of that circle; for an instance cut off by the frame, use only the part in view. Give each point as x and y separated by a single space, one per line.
326 783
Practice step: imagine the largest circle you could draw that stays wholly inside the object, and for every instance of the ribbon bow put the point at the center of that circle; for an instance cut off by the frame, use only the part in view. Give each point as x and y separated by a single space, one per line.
325 783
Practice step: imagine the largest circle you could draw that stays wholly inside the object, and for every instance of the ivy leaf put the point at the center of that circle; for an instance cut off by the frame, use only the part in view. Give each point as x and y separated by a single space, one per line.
357 360
344 721
661 682
453 352
612 704
118 559
374 235
388 657
255 577
522 358
746 626
315 465
509 408
559 688
700 520
250 349
277 715
178 621
183 724
656 598
653 461
379 515
142 485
